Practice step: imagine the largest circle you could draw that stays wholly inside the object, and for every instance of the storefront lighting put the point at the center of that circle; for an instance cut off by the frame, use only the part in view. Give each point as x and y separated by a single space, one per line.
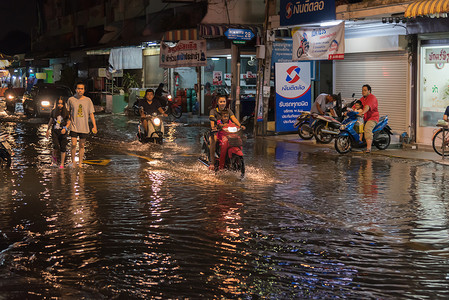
330 23
228 57
31 71
215 58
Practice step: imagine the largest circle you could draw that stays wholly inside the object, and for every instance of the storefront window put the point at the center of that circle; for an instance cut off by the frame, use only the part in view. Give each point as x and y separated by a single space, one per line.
434 84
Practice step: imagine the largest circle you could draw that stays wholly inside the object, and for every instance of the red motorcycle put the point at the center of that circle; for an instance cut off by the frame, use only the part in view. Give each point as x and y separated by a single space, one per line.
229 154
173 107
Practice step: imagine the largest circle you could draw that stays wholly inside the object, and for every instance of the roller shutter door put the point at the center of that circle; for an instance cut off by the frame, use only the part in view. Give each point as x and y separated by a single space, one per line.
386 73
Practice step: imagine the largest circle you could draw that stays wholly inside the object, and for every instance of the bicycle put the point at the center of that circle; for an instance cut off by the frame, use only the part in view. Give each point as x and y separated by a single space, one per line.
440 140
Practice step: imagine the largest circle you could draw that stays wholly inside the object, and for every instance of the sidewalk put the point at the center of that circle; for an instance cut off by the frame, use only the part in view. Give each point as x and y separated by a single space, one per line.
417 152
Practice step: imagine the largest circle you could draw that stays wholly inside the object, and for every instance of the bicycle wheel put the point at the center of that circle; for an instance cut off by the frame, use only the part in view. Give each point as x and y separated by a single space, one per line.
438 143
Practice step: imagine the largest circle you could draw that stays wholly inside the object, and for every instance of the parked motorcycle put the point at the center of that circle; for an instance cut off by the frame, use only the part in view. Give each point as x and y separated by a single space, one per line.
155 131
348 137
233 157
5 151
325 128
172 107
304 123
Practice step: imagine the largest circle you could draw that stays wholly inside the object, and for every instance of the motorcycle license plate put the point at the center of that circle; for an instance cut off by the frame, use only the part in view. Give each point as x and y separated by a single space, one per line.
7 147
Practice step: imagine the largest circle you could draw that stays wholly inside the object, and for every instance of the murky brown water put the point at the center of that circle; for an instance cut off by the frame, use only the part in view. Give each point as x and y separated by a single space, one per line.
153 223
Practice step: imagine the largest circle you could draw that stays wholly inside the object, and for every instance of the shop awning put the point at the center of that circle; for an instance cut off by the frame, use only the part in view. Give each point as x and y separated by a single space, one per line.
218 30
180 34
424 8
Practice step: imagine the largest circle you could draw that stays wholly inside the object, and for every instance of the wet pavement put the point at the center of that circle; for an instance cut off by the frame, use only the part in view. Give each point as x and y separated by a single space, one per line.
153 222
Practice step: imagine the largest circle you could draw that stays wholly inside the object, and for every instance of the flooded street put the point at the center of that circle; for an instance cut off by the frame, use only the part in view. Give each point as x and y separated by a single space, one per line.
150 221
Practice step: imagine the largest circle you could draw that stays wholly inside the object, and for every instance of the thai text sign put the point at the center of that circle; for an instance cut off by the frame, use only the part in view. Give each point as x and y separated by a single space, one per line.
183 54
437 55
306 11
323 43
293 93
239 34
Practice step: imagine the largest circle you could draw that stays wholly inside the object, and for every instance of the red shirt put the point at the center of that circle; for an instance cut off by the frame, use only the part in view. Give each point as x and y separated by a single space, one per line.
372 113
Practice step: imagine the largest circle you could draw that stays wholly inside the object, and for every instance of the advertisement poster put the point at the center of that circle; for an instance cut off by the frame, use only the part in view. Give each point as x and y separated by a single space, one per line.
217 78
323 43
183 54
293 93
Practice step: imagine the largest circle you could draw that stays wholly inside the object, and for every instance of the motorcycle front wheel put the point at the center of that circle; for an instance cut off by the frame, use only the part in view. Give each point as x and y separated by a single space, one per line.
305 131
237 164
321 137
176 112
382 140
343 144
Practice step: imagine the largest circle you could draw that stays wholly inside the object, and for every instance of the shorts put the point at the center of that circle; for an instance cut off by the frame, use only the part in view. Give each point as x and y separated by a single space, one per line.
59 141
369 126
82 136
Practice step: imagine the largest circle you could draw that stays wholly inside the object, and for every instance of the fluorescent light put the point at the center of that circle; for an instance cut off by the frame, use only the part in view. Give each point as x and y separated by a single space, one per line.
330 23
215 58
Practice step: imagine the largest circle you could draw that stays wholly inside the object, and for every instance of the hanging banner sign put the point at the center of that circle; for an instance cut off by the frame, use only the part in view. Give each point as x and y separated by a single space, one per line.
293 93
295 12
183 54
282 52
323 43
437 55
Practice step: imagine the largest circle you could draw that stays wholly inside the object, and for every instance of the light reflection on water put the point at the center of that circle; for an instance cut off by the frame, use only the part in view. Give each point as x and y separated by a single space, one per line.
303 223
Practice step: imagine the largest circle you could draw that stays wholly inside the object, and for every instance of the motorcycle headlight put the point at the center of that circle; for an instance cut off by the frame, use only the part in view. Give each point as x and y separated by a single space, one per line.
232 129
10 97
45 103
157 121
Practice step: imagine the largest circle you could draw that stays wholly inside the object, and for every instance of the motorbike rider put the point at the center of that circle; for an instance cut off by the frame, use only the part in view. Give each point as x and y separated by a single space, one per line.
159 93
215 115
147 106
370 114
10 103
323 103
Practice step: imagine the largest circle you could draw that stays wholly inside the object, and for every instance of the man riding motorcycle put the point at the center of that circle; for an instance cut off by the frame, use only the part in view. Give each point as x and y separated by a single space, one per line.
214 116
148 106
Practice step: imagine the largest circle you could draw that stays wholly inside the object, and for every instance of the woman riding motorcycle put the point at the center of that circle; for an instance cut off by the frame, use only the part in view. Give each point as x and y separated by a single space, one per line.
215 115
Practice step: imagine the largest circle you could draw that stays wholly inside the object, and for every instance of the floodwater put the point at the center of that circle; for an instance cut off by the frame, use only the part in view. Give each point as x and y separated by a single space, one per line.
153 222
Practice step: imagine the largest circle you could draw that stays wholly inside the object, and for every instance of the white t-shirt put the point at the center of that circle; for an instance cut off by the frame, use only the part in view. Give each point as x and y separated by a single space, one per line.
80 110
321 100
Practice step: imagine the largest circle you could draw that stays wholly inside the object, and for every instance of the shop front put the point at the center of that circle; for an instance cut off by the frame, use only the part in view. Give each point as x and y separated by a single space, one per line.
429 27
376 54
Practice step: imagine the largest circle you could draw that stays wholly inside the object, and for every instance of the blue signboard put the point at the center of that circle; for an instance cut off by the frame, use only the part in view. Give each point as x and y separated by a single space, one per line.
293 93
297 12
239 34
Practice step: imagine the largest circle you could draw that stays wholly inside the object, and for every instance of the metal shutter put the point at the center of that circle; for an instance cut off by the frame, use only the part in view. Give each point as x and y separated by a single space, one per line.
387 74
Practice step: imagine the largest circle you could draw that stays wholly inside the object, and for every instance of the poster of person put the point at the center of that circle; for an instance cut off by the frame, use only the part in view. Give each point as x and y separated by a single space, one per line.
217 78
323 43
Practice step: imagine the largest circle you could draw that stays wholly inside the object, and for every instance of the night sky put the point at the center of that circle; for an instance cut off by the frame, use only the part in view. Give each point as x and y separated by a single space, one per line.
16 22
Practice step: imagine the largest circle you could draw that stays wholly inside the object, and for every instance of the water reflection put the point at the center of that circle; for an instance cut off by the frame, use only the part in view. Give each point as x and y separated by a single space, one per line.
305 222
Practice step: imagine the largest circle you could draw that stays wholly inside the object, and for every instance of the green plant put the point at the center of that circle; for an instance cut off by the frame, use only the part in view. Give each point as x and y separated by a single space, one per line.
129 81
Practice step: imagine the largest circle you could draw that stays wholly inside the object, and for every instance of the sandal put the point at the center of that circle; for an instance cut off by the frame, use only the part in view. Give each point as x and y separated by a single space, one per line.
367 151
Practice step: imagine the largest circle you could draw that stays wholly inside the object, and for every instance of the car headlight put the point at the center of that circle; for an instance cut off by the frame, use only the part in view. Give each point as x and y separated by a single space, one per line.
45 103
157 121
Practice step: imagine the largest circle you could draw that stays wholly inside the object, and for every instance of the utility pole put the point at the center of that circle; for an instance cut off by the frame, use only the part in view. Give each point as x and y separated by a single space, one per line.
235 79
270 10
